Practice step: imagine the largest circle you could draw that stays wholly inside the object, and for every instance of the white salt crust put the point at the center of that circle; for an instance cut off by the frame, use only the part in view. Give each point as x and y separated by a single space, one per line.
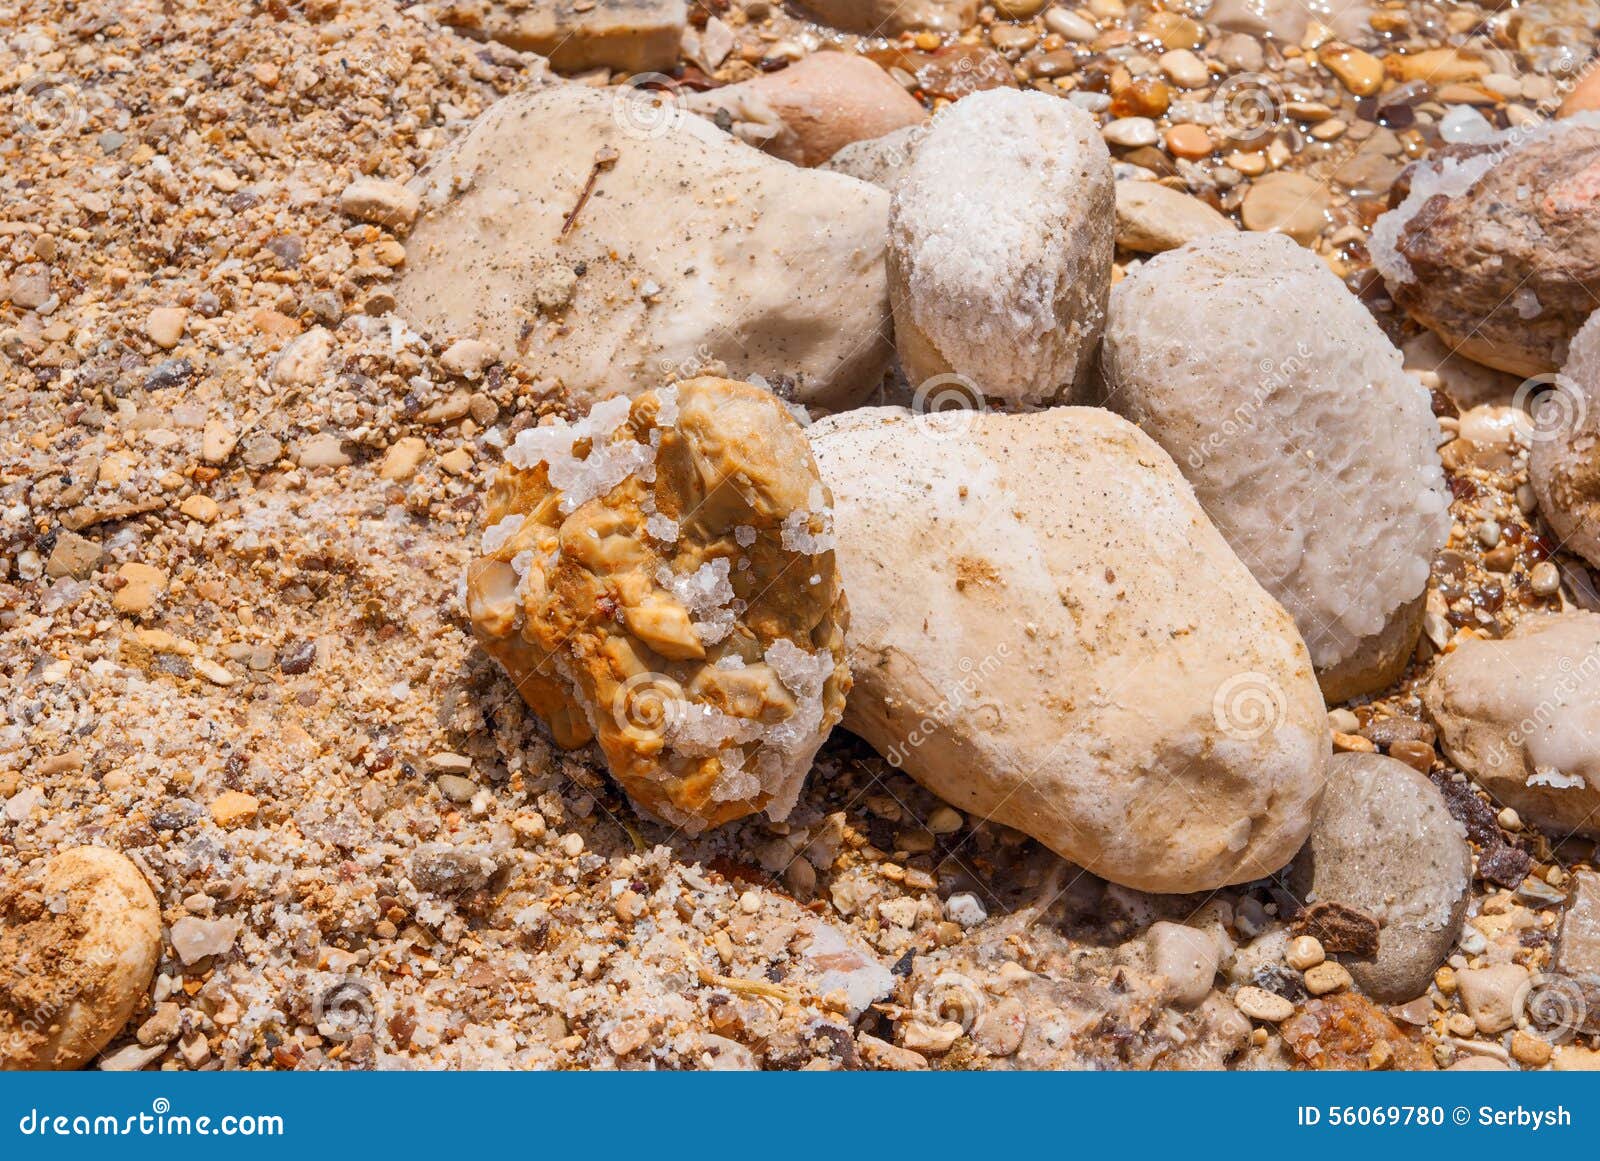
999 256
1309 446
1452 177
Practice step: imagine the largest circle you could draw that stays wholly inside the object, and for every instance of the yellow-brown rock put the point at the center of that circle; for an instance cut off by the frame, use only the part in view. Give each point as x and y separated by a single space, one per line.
660 577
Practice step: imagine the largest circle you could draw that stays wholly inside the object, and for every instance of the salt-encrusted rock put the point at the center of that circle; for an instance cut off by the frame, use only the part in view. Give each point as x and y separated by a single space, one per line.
809 111
880 160
1304 438
891 17
661 578
633 36
1050 633
77 951
1386 845
1151 218
1000 243
1521 717
1496 246
1564 464
767 270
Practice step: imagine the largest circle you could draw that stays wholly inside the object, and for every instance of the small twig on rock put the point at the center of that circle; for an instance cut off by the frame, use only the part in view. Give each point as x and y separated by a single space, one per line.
603 160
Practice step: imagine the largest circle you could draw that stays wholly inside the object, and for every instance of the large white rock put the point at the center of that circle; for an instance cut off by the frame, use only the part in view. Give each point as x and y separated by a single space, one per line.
1521 716
1000 246
1289 411
1050 633
690 253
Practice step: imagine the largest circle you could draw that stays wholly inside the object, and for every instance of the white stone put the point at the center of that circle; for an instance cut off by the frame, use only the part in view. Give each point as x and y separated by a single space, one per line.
1046 631
1265 379
766 269
1000 247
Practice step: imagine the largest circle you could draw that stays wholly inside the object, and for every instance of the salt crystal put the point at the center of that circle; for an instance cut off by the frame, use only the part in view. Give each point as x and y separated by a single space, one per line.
496 535
667 411
1555 779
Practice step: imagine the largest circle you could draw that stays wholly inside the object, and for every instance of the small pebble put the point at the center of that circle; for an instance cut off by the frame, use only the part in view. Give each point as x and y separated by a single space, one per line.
1184 68
164 326
1528 1049
965 909
1288 203
456 788
383 203
1189 141
1417 755
1260 1004
234 808
1358 71
1130 131
1327 977
1305 951
1545 579
1070 25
